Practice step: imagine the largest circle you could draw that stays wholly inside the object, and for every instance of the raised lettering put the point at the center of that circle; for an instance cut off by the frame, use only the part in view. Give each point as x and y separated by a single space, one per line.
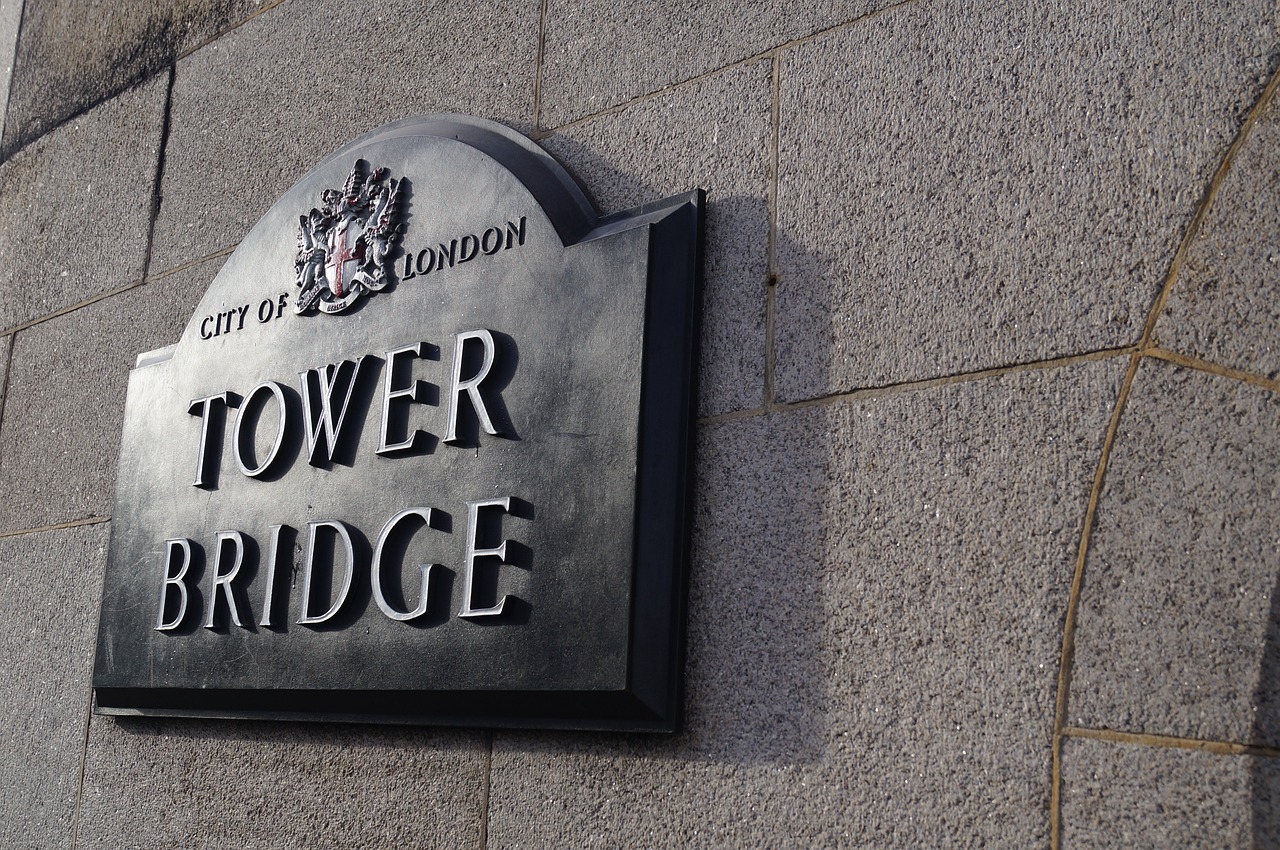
208 454
426 261
471 386
515 231
343 534
469 608
390 393
323 390
242 446
222 580
376 569
497 241
468 248
170 579
268 599
450 252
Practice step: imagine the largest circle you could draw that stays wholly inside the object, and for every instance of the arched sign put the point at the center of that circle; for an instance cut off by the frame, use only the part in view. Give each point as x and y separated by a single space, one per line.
419 455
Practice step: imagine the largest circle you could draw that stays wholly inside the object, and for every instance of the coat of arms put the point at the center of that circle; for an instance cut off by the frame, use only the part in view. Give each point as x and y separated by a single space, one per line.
343 245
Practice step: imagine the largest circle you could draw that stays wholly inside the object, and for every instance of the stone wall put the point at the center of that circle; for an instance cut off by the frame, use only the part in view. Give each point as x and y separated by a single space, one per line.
986 544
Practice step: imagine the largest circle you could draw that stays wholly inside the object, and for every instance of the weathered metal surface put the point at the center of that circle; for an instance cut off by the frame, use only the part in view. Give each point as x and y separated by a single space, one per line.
459 498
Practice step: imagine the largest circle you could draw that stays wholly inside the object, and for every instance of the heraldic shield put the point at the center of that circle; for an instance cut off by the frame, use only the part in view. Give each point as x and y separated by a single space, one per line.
348 238
420 456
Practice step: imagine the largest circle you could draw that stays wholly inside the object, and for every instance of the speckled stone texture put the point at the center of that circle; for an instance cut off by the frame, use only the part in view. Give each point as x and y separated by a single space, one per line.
73 54
65 404
1178 630
714 134
10 19
880 581
966 185
228 161
875 625
600 53
49 589
260 786
75 207
1131 797
1225 307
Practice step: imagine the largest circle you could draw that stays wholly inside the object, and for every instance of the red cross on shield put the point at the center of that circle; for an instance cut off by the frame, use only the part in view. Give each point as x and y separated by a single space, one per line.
341 264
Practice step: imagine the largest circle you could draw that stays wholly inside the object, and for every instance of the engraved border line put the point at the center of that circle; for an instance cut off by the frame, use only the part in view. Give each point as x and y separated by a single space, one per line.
887 390
1146 347
729 66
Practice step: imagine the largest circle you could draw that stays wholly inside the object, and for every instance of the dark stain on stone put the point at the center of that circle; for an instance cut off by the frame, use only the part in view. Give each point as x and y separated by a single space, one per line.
72 55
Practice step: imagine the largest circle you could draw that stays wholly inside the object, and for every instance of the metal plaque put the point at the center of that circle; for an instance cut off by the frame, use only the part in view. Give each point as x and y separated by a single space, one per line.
419 456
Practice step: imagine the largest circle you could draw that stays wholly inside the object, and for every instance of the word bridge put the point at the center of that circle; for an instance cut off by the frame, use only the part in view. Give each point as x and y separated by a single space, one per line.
327 394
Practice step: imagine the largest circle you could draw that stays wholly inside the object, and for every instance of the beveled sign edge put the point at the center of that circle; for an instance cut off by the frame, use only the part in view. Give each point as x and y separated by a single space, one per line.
654 698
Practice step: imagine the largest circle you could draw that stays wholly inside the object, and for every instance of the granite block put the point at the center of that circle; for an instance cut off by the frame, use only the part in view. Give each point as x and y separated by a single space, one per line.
1179 619
967 185
65 403
73 55
715 135
154 784
1129 797
75 207
599 54
49 588
257 109
877 596
10 19
1223 308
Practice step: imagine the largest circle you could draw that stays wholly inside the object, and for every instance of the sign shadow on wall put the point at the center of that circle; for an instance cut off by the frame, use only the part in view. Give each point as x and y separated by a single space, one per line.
758 656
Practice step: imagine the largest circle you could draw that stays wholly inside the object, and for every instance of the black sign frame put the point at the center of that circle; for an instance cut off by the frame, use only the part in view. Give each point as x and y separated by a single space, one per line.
647 693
